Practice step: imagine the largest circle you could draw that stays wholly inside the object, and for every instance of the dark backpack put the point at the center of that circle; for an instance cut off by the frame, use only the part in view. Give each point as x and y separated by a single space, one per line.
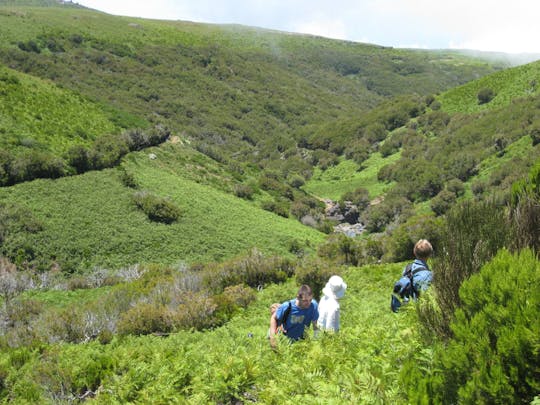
404 287
281 322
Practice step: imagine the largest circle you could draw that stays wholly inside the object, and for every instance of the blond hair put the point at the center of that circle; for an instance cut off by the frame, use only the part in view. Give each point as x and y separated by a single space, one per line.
423 249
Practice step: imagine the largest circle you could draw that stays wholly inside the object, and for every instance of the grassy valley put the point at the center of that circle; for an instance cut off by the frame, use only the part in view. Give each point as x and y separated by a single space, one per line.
161 184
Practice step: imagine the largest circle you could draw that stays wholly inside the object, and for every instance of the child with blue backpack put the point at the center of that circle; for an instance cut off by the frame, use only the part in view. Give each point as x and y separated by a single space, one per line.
416 276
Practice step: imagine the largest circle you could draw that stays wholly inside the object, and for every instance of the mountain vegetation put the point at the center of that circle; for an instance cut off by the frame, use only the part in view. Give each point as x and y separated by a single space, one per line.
163 182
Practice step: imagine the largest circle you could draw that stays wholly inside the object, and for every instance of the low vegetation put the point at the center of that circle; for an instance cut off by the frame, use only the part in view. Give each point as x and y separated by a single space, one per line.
163 182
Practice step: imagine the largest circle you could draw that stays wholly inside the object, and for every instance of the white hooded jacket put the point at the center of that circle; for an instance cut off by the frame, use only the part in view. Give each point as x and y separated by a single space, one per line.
329 312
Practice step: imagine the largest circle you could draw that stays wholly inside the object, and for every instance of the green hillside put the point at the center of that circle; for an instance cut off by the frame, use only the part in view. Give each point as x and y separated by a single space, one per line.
34 111
161 185
91 221
506 85
236 87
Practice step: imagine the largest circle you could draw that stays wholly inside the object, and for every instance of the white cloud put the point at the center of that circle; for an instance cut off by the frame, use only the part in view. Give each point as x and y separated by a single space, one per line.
494 25
325 28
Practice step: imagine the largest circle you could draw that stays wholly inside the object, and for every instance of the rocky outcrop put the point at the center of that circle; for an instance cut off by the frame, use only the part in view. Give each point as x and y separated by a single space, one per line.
347 217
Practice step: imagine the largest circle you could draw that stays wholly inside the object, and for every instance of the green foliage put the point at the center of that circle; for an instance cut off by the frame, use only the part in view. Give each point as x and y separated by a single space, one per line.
525 211
112 233
157 208
508 84
473 233
315 273
493 357
442 202
253 269
55 118
233 362
485 95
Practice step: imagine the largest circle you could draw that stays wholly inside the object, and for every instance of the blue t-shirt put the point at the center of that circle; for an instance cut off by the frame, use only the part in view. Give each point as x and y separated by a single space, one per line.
422 279
298 318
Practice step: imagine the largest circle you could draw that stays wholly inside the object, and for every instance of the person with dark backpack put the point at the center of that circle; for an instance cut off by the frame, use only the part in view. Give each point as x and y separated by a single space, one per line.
416 276
293 316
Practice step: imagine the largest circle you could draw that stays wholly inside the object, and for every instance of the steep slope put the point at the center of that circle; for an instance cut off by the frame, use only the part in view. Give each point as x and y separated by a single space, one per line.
235 362
34 111
234 87
87 221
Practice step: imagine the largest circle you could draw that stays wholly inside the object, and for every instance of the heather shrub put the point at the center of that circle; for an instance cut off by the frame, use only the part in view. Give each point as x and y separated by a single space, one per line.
340 249
196 310
108 150
473 233
442 202
232 299
145 318
243 191
525 211
485 95
315 273
253 269
493 355
157 208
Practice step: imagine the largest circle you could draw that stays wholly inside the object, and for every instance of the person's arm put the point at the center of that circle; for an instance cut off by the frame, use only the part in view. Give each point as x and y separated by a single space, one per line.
273 330
315 319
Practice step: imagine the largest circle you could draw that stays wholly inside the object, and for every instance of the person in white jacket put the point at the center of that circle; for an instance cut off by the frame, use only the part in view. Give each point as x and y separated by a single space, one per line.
329 305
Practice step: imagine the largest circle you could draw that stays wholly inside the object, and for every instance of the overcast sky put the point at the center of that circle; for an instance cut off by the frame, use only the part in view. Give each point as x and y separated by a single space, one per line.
511 26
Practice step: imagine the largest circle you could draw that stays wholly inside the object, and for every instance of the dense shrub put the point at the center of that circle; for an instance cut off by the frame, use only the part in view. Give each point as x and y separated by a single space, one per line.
280 208
34 164
253 269
243 191
485 95
393 209
525 211
78 157
434 121
535 134
232 299
358 197
145 318
315 273
197 311
341 249
157 208
493 356
442 202
473 233
139 139
6 160
108 150
455 186
399 242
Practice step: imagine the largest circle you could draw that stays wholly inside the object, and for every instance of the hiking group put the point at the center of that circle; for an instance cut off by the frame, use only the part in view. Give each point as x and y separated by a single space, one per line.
293 317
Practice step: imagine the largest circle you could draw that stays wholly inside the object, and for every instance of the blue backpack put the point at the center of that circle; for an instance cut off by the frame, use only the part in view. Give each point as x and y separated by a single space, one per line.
404 288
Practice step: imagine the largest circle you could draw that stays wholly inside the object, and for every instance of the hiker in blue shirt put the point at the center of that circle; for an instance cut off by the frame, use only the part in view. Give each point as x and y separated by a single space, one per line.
416 276
294 315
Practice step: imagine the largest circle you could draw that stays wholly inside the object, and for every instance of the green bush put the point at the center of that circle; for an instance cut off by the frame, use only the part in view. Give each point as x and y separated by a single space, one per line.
493 357
341 249
473 233
243 191
485 95
315 273
525 211
145 318
442 202
157 208
108 150
253 269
